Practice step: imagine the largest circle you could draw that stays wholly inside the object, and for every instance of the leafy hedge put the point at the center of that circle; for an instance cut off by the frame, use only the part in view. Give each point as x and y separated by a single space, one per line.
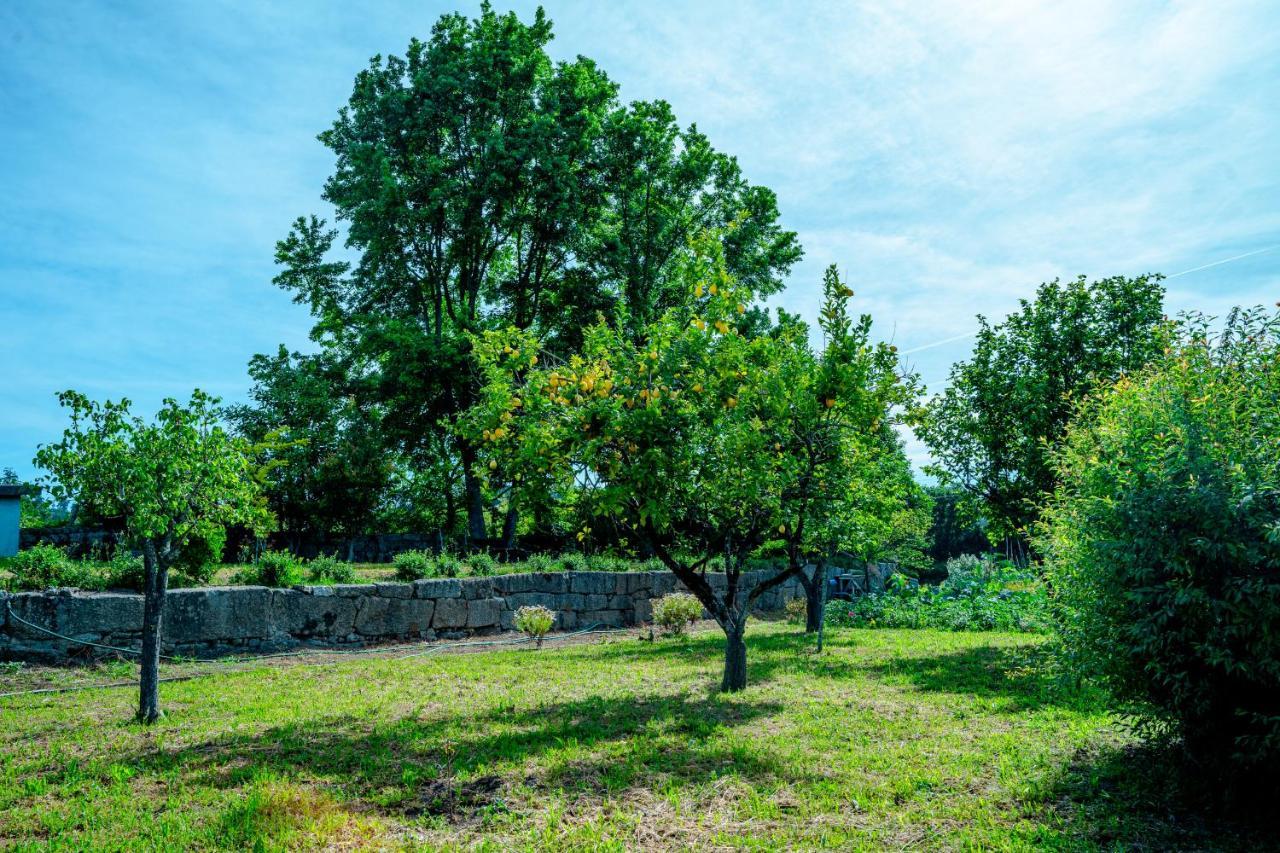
1163 544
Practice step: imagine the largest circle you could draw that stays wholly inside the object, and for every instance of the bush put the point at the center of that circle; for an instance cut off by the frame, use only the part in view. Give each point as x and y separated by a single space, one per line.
540 563
274 569
795 609
574 562
535 621
446 565
999 598
330 570
201 557
676 611
1163 545
125 571
482 565
414 565
47 566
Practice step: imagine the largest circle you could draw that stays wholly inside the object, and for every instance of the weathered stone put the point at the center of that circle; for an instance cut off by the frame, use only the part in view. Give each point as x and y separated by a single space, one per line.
438 588
530 599
510 584
551 582
393 617
592 602
484 612
304 614
593 583
98 614
567 620
450 613
394 590
474 588
354 590
643 611
315 590
225 613
37 608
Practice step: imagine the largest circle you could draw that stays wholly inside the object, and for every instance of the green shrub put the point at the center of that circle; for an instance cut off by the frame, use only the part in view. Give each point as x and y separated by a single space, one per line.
572 561
535 621
46 566
201 556
482 565
1163 545
275 569
448 565
674 612
330 570
125 571
795 609
540 563
413 565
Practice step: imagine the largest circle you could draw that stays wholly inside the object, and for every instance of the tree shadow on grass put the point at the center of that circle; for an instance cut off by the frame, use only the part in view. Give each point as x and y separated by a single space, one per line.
674 737
1018 675
767 655
1141 797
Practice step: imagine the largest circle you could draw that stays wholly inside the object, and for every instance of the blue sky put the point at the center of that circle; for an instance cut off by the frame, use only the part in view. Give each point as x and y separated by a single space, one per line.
949 156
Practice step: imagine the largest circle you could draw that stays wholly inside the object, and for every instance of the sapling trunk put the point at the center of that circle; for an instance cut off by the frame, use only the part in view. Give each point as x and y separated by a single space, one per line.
157 582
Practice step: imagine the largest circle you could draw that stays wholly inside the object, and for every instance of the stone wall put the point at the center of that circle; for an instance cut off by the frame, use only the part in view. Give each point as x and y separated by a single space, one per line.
214 621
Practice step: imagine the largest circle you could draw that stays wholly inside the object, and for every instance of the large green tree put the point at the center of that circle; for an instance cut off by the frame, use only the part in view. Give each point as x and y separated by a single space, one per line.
684 436
171 483
482 185
992 431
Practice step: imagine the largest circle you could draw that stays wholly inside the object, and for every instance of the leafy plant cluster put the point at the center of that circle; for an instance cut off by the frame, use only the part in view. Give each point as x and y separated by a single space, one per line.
676 611
417 565
46 566
981 595
1163 542
281 569
535 621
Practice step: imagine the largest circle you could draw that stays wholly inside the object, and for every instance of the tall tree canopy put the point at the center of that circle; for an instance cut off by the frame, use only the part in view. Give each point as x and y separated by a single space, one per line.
483 185
994 427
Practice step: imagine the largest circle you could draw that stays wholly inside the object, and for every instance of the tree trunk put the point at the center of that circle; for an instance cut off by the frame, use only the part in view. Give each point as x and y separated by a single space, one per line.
735 657
152 623
814 598
474 499
509 526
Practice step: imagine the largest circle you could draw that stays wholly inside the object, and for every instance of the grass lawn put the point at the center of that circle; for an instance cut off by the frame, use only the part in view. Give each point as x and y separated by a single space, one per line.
890 739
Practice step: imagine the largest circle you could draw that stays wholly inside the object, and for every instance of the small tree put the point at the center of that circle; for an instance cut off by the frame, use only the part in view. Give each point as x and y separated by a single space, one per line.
682 436
849 491
168 483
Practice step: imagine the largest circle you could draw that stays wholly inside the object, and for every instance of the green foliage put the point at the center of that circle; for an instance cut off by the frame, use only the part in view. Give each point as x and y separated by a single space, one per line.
955 529
480 564
172 482
327 569
277 569
534 621
676 611
46 566
414 565
483 184
572 561
125 571
795 609
323 464
201 556
998 598
993 429
1163 544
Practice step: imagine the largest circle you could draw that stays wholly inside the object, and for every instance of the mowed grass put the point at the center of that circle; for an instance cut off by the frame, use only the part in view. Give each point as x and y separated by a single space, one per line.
888 739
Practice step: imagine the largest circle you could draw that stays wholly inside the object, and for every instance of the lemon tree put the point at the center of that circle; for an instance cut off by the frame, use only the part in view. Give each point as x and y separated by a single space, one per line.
694 437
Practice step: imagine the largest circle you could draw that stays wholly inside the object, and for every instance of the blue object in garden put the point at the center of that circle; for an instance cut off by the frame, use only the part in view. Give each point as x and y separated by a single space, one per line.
10 514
